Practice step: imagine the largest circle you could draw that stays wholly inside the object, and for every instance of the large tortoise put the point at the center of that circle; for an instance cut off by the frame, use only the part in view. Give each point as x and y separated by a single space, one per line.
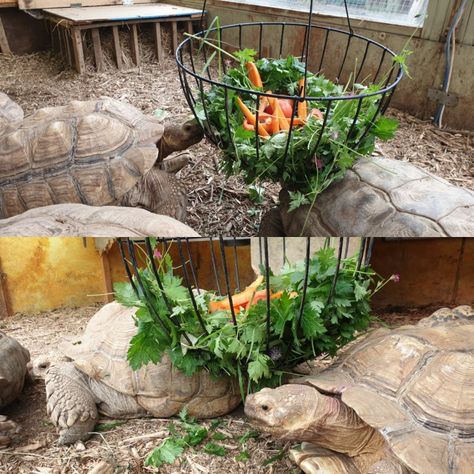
379 197
399 401
14 359
96 152
99 378
90 221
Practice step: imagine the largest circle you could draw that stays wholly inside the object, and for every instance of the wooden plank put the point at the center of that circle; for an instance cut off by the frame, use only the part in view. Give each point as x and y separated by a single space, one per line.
134 46
174 28
158 43
117 47
122 12
99 57
76 37
4 46
30 4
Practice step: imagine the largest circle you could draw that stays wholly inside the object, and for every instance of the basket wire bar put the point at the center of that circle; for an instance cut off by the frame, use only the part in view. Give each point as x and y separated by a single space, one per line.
227 282
186 281
306 275
236 264
132 266
267 287
193 273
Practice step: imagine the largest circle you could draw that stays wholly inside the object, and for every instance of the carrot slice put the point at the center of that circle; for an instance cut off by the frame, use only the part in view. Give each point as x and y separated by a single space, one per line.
253 74
302 106
251 118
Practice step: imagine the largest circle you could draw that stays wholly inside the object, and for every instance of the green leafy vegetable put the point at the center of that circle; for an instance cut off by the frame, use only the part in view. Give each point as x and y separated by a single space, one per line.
329 319
319 152
166 453
212 448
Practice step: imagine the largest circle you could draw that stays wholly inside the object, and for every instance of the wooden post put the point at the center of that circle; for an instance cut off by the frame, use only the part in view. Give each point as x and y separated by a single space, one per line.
4 46
117 48
174 27
109 296
158 44
78 50
189 27
99 58
134 46
5 303
66 34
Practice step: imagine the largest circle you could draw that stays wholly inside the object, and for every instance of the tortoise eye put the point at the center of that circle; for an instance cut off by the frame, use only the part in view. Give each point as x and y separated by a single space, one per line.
265 407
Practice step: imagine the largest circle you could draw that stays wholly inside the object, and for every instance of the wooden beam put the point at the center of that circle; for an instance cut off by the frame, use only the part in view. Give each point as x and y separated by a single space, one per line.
134 46
174 27
158 43
117 47
76 37
99 57
4 46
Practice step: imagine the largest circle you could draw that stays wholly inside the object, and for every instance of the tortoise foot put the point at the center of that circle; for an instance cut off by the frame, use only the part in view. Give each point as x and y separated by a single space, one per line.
8 428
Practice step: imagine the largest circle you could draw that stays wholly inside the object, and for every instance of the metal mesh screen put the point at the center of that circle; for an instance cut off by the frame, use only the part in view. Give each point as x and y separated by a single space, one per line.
403 12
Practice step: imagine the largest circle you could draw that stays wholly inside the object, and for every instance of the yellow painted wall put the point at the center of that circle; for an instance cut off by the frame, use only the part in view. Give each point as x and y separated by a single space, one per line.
47 273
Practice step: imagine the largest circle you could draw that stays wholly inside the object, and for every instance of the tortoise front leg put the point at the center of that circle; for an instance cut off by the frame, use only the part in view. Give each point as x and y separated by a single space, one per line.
159 192
70 403
7 429
315 460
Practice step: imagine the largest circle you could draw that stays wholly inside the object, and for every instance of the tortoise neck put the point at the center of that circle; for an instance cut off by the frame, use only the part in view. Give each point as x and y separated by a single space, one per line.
341 429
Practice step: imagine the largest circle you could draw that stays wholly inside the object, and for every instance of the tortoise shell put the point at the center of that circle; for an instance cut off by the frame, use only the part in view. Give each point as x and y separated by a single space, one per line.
415 385
11 114
13 368
86 152
161 389
380 197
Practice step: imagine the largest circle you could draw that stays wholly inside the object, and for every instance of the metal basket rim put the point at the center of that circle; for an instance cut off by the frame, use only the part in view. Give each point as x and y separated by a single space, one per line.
283 96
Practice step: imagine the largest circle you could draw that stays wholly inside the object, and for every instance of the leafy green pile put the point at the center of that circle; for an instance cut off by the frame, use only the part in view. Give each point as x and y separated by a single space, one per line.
187 434
327 322
312 160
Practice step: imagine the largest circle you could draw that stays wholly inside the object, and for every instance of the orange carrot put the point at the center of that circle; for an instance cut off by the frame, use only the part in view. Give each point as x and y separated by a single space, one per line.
279 114
251 118
302 106
254 75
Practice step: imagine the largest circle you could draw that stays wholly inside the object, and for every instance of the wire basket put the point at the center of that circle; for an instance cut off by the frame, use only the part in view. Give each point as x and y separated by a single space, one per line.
353 81
225 270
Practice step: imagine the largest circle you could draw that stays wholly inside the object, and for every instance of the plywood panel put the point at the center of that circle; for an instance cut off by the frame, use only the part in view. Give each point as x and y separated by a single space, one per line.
30 4
428 269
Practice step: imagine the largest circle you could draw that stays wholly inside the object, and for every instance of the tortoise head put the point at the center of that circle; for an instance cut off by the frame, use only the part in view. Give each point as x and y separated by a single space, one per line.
179 137
301 413
286 411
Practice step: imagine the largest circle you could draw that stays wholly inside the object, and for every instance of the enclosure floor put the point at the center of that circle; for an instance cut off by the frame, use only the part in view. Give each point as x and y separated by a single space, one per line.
35 449
216 204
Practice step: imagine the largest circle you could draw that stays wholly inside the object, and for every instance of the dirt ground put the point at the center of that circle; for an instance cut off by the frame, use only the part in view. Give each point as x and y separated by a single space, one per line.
216 204
124 448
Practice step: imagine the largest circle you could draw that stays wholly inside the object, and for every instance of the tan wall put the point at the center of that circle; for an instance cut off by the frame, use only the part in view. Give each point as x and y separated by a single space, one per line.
41 274
47 273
